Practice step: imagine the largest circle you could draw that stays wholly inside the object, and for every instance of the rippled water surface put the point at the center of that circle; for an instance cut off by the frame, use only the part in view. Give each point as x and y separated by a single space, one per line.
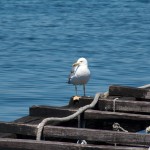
39 40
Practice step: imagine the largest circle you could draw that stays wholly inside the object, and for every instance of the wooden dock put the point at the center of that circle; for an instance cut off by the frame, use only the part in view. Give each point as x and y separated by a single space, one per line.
113 124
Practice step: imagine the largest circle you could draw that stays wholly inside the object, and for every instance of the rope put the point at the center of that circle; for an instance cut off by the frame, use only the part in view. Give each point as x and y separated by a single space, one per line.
147 86
117 127
148 129
81 142
80 110
114 104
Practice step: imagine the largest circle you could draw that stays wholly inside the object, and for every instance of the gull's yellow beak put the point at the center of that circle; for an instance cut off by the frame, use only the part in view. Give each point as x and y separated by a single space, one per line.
76 64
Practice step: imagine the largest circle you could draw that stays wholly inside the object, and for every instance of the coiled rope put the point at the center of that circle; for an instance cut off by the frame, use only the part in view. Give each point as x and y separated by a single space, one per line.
80 110
116 127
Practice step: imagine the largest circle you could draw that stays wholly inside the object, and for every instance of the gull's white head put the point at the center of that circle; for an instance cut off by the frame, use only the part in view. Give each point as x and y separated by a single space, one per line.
80 62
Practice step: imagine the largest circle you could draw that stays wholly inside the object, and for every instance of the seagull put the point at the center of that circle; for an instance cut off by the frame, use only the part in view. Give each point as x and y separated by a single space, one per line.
80 74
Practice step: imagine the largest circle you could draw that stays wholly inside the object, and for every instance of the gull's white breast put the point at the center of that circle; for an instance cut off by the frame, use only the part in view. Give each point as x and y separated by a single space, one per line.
81 75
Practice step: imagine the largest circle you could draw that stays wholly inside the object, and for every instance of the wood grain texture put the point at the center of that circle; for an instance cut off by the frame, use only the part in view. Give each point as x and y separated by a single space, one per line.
78 133
116 90
21 144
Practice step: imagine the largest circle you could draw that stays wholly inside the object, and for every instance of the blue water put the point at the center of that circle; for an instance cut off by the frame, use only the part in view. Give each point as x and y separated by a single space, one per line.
39 40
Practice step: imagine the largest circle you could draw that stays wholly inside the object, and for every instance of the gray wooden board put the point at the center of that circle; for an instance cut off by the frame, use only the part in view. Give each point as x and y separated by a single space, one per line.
45 111
116 90
124 105
22 144
76 133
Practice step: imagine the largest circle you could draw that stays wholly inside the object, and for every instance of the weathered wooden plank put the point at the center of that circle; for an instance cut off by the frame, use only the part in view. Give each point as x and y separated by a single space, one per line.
7 135
48 111
126 91
78 133
89 114
29 120
15 128
95 114
20 144
97 135
124 106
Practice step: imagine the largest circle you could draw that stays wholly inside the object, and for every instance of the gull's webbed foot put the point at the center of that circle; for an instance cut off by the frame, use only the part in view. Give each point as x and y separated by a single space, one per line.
76 98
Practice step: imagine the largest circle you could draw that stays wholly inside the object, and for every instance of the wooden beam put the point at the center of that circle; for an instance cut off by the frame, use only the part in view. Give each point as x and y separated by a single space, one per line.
126 91
97 135
48 111
76 133
7 135
42 111
15 128
124 106
95 114
29 119
22 144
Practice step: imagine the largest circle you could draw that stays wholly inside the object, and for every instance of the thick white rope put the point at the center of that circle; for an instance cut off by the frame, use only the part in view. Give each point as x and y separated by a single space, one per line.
147 86
80 110
114 104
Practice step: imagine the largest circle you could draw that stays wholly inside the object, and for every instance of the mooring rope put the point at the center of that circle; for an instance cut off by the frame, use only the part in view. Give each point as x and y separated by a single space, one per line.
80 110
83 142
147 86
114 104
117 127
148 129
